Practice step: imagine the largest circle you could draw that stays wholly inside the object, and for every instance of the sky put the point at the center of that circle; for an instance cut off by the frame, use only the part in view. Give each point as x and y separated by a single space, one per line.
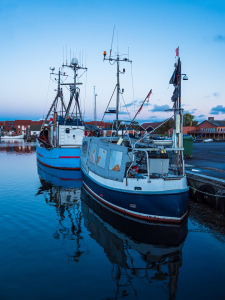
36 35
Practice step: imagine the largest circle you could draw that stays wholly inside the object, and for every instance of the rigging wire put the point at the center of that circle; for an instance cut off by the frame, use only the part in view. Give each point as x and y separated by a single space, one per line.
126 106
108 105
132 82
47 96
85 92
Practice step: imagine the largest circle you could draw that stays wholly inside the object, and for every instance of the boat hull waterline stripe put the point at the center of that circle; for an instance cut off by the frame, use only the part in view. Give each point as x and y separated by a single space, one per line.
62 156
69 156
133 214
61 168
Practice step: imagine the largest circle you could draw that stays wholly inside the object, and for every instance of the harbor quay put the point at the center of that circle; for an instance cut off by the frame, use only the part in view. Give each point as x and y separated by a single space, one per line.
205 172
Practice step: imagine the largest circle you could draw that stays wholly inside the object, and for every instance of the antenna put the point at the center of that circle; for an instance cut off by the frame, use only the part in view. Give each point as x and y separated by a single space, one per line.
63 55
117 41
66 54
95 114
82 56
112 41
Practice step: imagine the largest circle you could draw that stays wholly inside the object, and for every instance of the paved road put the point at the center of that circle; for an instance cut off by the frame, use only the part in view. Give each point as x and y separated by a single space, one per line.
209 155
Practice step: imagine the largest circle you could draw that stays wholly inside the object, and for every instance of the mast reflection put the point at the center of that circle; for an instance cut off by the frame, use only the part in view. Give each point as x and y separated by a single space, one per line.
62 190
140 253
148 252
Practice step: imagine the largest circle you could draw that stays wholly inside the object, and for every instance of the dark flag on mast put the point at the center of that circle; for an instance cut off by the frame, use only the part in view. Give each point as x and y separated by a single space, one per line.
176 74
175 78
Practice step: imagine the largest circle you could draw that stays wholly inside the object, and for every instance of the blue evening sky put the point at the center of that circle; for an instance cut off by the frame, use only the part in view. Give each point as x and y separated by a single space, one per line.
34 33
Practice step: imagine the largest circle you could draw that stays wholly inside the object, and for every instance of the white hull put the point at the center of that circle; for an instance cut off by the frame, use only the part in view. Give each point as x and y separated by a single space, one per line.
15 137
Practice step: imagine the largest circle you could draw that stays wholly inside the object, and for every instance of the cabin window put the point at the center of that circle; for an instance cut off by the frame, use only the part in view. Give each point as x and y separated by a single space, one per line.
115 160
84 147
92 155
101 158
67 130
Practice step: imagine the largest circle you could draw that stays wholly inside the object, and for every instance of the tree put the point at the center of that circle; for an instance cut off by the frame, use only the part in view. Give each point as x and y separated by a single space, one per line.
189 120
165 127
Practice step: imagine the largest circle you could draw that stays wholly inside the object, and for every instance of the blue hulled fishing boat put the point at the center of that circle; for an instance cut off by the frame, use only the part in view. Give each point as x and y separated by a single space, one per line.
134 178
59 142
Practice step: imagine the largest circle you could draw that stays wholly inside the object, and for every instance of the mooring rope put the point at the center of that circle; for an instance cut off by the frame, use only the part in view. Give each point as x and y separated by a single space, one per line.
215 195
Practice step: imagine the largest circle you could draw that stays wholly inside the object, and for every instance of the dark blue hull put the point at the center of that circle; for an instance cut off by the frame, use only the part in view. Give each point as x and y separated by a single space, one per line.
166 207
142 232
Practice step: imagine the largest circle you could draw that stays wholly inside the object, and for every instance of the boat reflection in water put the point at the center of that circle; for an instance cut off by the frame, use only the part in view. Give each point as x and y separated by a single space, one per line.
142 255
64 185
148 252
16 147
62 189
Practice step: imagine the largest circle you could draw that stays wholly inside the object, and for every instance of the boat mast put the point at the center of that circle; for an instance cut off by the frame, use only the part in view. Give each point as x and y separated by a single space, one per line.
74 90
118 92
117 60
178 112
58 95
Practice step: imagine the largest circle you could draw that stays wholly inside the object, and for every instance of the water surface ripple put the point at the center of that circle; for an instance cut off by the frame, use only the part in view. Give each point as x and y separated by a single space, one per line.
57 243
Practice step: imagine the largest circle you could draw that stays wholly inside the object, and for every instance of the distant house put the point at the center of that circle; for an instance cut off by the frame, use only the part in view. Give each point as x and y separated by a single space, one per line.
186 130
213 129
18 126
22 126
35 129
150 126
9 127
210 129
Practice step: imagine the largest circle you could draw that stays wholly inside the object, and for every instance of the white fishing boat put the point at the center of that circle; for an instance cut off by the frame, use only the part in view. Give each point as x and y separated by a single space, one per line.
59 142
137 179
12 137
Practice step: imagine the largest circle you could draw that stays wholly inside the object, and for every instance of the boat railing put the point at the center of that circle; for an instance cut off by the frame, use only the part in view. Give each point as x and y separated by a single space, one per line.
165 167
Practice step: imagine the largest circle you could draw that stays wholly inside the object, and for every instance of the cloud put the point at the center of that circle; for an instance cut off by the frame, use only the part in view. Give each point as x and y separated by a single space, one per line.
123 113
149 120
219 38
146 104
130 104
160 108
191 112
215 94
219 109
202 116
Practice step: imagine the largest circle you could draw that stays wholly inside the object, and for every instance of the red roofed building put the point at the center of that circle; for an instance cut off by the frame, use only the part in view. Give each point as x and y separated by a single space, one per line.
150 126
208 129
22 126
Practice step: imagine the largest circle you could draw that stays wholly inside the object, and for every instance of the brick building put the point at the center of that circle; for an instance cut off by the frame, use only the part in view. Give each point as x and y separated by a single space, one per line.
213 129
208 129
18 127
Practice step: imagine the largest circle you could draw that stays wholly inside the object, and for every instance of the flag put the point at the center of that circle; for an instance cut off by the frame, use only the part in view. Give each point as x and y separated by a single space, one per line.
176 94
177 51
148 96
176 74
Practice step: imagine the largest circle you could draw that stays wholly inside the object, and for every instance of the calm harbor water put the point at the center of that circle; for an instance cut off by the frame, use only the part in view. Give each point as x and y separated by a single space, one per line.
56 243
